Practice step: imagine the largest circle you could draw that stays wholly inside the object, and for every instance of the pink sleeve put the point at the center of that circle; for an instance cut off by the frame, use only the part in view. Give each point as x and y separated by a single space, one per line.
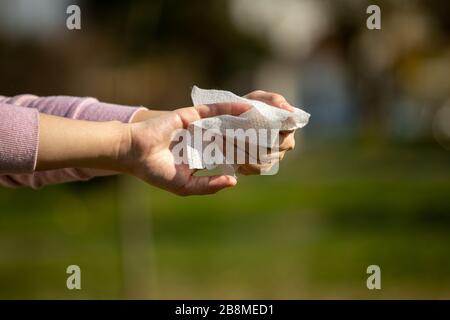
19 127
19 137
73 107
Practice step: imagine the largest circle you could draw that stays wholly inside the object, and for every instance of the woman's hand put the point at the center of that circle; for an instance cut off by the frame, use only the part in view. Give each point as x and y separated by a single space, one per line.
287 139
141 148
147 153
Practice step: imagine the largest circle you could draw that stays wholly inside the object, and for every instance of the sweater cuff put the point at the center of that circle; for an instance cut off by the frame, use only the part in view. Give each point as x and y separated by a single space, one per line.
19 138
93 110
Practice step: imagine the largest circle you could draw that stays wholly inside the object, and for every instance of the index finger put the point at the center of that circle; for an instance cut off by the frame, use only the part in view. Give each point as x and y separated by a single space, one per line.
273 99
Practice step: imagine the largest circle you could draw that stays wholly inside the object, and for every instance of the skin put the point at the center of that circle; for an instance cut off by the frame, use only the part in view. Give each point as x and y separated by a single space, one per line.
142 147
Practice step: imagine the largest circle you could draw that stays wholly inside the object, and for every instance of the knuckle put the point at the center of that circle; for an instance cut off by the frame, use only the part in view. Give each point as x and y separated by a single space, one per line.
276 98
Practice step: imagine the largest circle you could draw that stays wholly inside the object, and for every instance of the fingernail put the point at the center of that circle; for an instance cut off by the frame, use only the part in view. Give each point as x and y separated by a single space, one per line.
232 181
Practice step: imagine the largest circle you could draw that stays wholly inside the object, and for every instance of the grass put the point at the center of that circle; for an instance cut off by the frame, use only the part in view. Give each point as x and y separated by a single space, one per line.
308 232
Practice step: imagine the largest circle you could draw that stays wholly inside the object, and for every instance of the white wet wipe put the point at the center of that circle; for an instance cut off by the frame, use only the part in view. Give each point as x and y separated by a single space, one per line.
260 116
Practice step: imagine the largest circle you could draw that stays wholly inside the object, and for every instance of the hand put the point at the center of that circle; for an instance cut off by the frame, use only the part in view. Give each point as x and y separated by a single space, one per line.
146 150
140 148
287 139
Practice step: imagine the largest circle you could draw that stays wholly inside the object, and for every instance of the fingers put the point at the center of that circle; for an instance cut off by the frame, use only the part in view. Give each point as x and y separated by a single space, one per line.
271 98
253 169
191 114
250 169
287 142
206 185
218 109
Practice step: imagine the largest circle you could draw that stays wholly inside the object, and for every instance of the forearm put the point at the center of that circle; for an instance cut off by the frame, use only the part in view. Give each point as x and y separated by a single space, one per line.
20 168
67 143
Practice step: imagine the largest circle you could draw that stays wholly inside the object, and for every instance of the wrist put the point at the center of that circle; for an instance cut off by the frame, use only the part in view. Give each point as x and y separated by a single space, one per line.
145 114
105 145
121 151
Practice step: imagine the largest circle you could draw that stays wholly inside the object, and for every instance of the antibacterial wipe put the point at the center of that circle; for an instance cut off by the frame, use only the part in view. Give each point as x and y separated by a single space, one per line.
260 116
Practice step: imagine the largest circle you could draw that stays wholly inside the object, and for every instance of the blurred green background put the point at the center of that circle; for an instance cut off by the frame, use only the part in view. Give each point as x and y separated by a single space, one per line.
368 183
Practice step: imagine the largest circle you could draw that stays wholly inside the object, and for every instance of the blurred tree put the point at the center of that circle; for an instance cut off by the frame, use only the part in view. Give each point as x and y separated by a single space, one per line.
202 30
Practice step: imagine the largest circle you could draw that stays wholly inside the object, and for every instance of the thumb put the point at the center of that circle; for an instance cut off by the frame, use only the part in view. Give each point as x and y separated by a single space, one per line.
206 185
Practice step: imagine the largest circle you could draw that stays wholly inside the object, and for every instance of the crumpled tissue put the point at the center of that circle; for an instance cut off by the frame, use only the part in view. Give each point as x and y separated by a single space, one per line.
260 116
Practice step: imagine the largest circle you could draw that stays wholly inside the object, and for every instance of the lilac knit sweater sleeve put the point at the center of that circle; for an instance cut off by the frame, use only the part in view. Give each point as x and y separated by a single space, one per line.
19 135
